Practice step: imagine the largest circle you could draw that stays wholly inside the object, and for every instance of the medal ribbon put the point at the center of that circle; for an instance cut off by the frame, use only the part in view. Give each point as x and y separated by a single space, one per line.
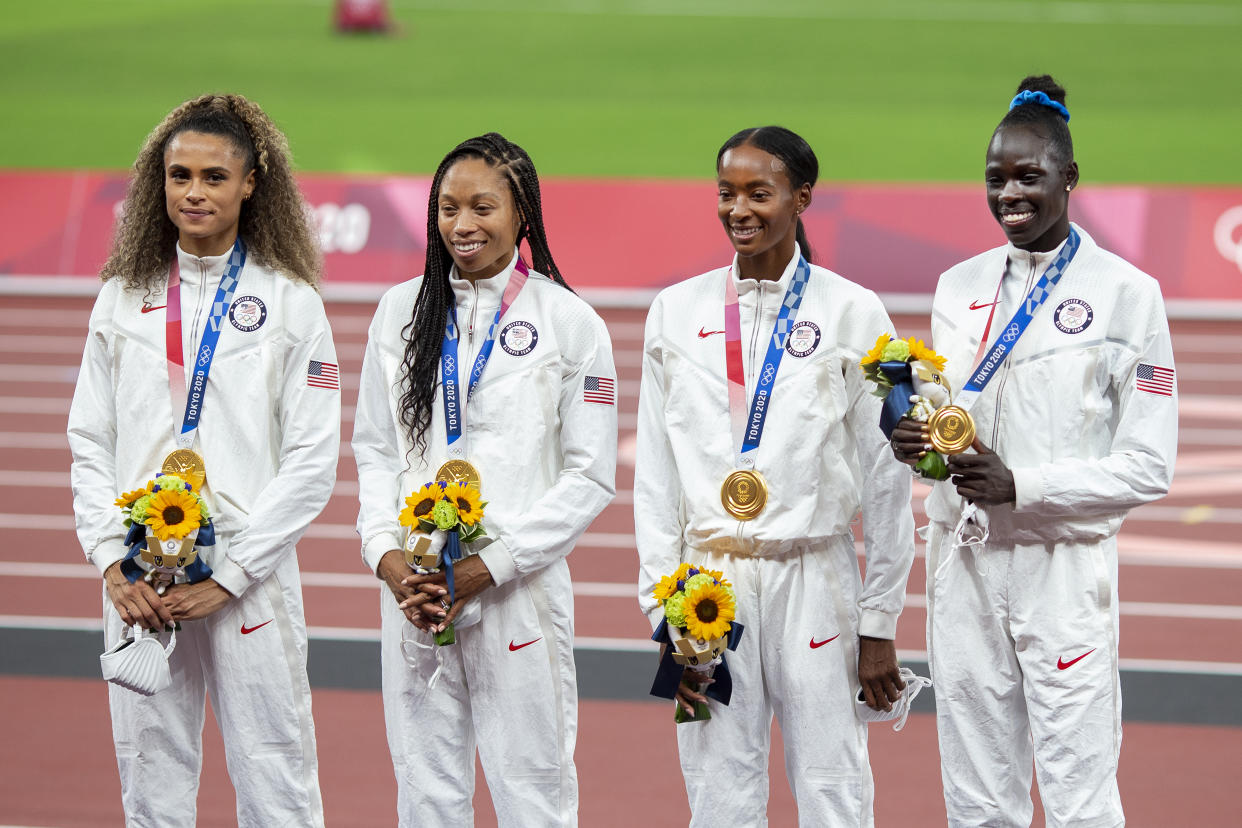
206 350
453 403
986 368
748 426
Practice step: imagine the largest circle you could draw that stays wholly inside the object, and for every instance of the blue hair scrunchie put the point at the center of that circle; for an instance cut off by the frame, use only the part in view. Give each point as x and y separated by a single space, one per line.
1041 98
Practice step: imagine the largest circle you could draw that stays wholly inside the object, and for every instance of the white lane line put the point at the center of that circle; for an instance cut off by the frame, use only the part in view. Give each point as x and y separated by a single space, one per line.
605 589
34 405
618 644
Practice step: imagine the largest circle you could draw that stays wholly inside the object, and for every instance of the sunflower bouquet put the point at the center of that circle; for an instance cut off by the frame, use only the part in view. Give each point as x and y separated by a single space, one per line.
167 522
438 518
698 626
909 377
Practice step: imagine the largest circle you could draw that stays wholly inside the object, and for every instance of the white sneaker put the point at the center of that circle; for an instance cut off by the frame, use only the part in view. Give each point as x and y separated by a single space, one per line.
901 708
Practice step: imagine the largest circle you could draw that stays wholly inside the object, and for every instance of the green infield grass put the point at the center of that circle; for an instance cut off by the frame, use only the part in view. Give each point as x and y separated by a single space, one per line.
887 90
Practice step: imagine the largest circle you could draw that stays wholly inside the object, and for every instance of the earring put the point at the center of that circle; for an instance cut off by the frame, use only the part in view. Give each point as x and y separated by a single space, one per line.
1068 188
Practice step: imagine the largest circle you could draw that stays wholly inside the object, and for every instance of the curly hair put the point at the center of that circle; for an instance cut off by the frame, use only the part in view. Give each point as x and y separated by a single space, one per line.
425 331
274 220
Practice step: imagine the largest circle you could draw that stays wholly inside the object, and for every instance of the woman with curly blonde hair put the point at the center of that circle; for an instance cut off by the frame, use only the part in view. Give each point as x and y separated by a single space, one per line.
209 358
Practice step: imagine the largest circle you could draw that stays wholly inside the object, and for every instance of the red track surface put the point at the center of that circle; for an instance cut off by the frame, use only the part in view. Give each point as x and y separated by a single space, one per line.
1181 590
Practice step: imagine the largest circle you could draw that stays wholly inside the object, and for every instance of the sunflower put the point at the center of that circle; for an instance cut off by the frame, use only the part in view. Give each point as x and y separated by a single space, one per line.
875 354
709 609
719 576
128 499
666 587
466 498
919 351
173 513
419 504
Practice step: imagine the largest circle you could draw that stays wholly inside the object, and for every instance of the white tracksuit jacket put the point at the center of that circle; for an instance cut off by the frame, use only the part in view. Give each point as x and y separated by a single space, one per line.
270 442
547 460
1009 624
794 567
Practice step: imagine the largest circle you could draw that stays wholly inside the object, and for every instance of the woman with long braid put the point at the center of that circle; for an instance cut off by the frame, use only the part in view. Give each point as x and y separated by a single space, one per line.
211 287
535 421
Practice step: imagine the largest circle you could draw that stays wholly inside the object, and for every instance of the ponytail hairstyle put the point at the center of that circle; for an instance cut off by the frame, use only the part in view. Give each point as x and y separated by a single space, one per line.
274 221
801 165
1040 103
425 331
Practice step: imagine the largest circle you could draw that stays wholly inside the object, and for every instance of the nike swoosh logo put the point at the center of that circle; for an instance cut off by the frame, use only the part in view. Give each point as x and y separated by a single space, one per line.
705 334
148 308
248 630
976 306
513 648
815 645
1062 664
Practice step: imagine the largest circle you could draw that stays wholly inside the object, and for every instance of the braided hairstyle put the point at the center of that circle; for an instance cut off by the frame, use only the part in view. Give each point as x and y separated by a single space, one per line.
425 331
801 165
274 220
1050 121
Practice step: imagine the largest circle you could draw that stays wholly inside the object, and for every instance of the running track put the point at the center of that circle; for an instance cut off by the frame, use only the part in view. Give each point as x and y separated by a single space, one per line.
1181 590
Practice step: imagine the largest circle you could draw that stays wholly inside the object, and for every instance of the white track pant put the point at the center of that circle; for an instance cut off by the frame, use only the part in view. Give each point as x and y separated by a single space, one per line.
507 686
261 697
1023 646
786 604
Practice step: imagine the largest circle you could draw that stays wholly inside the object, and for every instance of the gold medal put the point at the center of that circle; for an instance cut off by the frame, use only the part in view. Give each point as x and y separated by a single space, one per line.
459 471
187 465
744 494
951 430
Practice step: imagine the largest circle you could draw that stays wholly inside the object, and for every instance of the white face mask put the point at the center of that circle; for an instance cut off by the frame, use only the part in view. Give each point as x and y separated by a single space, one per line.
901 707
139 663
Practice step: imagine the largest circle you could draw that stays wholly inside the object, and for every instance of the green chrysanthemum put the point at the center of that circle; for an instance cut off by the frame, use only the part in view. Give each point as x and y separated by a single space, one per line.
138 512
896 351
675 610
170 482
444 514
697 580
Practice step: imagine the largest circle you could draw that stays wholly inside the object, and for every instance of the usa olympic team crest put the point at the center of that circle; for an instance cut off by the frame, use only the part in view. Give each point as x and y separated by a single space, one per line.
247 313
519 338
1072 316
803 339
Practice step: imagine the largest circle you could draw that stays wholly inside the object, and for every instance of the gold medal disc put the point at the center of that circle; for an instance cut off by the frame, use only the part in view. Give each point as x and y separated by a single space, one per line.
951 430
459 471
187 465
744 494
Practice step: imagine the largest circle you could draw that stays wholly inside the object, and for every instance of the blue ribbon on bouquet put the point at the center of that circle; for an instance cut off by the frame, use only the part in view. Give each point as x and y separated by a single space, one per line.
897 401
668 674
452 552
136 539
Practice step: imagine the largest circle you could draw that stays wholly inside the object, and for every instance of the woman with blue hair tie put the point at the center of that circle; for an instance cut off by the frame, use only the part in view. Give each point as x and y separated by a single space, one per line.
1068 374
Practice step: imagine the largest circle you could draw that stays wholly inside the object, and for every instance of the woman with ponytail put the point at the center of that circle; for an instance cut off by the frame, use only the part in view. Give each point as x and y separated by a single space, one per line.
535 423
757 444
1076 426
209 358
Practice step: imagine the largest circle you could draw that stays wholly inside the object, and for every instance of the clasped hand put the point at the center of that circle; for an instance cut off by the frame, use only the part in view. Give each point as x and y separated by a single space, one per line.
424 598
981 477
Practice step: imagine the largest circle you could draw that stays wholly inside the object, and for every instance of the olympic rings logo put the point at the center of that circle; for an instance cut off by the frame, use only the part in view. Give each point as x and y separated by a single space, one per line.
204 356
1225 235
768 373
450 364
1011 333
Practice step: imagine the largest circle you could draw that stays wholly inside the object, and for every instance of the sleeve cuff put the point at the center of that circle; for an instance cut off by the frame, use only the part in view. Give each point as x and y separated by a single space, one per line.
108 553
229 575
876 624
377 547
1028 486
499 561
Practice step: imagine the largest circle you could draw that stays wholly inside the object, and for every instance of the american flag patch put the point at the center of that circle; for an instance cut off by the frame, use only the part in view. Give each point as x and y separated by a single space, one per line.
1154 380
600 390
323 375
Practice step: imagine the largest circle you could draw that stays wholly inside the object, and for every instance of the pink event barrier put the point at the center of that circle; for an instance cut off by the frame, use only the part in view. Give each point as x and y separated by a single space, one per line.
621 234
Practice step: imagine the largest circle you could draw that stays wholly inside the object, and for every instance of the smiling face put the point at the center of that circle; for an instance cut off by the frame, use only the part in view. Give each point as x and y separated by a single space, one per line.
478 220
205 183
1027 188
759 209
